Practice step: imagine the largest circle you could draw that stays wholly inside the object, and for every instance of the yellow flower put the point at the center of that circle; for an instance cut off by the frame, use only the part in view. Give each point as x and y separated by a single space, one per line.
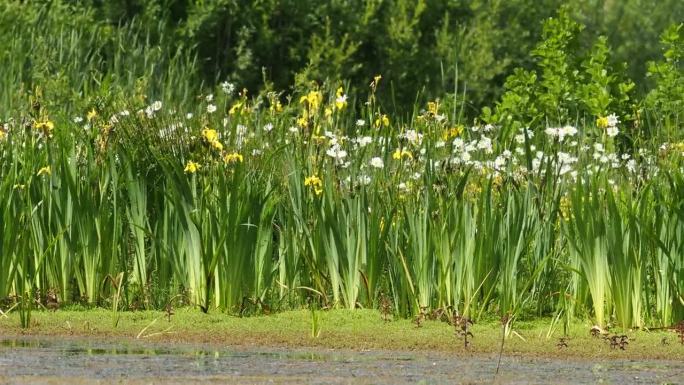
44 171
237 107
432 108
192 167
210 135
276 106
382 120
318 139
340 99
602 122
91 114
452 133
2 134
565 208
313 99
233 158
45 127
375 82
315 183
401 153
303 121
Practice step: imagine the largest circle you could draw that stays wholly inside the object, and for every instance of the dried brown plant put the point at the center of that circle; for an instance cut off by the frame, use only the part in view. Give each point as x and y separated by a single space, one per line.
462 328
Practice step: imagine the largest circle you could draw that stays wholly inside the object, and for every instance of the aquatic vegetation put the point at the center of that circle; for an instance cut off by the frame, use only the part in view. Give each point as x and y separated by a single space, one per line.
566 197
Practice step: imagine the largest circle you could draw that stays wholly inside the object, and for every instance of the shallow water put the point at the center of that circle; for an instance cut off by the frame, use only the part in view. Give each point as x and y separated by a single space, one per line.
81 361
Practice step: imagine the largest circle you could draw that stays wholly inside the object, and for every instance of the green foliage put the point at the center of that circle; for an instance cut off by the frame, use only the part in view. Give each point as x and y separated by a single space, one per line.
571 85
133 173
421 48
668 95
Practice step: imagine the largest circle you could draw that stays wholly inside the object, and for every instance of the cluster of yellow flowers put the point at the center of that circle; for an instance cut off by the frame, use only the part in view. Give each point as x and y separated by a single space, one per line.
452 133
315 183
237 107
402 153
340 99
602 122
192 167
45 127
233 158
241 106
382 121
211 138
376 81
275 105
92 114
312 100
433 108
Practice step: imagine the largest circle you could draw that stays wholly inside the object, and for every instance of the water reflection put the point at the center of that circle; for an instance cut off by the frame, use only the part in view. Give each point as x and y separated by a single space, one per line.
33 359
91 348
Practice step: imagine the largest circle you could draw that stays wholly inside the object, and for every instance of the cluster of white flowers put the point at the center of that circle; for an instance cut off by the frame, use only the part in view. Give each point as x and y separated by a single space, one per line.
152 109
502 160
566 153
336 152
114 119
612 129
485 144
168 132
227 88
520 137
560 133
413 137
240 134
363 141
377 162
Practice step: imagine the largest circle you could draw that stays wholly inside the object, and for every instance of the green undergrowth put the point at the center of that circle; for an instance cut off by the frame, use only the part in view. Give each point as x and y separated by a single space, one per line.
342 329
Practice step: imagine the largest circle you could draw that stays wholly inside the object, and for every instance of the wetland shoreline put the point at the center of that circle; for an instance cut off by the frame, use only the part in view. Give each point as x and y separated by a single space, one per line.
359 331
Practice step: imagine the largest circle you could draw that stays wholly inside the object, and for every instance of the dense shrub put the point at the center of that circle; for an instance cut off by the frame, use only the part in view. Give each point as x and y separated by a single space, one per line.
420 47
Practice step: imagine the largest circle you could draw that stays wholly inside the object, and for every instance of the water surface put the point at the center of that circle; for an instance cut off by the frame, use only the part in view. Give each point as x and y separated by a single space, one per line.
82 361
